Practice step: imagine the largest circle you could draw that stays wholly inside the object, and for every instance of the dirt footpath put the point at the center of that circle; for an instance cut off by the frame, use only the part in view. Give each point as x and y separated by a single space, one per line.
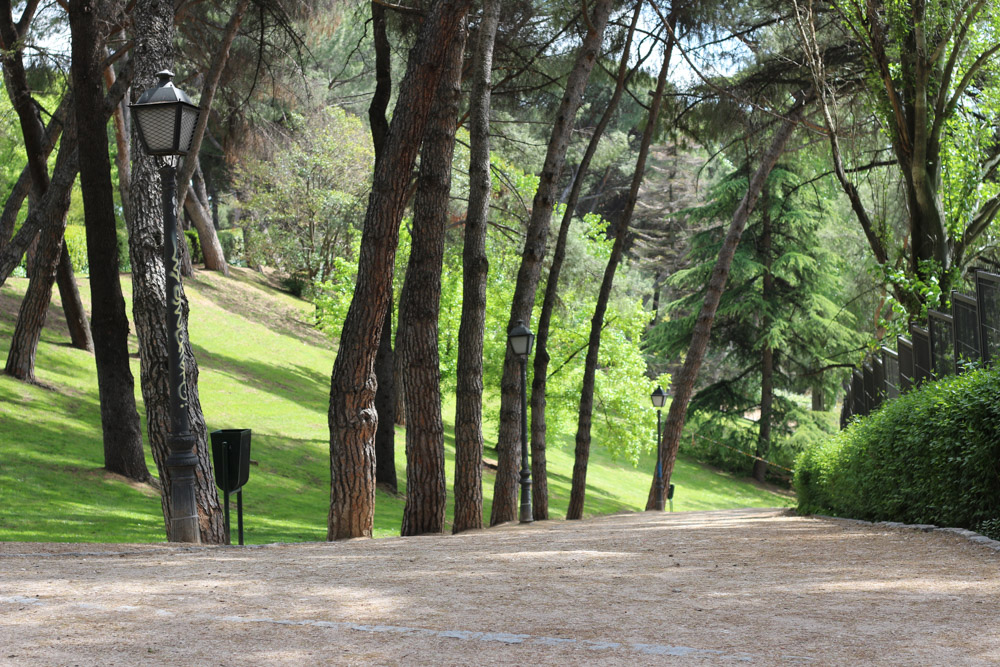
757 586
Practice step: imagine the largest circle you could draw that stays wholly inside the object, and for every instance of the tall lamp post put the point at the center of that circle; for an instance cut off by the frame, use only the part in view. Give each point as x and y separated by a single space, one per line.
519 340
166 118
659 398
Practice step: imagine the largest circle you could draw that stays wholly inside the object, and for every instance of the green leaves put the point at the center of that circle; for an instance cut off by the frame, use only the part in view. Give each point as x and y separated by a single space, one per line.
927 457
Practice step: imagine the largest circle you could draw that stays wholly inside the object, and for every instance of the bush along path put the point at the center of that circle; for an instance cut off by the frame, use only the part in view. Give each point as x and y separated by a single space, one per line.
928 457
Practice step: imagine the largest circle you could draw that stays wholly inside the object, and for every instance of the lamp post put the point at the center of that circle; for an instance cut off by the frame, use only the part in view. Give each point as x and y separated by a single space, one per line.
519 340
166 118
659 398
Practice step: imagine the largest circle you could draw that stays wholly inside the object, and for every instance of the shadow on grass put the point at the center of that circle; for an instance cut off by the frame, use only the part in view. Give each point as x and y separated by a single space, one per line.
295 382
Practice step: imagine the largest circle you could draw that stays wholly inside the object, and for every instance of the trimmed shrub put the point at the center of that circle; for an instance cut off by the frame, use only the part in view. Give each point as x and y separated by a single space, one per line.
124 259
231 241
929 456
75 238
194 243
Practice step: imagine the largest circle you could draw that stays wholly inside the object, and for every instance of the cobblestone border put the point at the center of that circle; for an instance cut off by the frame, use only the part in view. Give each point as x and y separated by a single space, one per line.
922 527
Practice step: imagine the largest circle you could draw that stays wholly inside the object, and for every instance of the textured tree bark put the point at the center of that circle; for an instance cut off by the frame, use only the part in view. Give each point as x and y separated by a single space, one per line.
52 206
539 472
426 485
120 423
122 161
34 307
578 490
818 397
352 416
15 200
211 249
184 251
52 203
385 407
475 268
76 317
45 264
508 440
385 394
152 52
683 382
766 354
8 218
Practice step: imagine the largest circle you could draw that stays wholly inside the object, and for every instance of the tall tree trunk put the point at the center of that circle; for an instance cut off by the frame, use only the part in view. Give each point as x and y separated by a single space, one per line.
34 307
766 352
52 210
211 249
578 490
539 472
122 431
657 287
52 206
385 395
46 264
11 208
536 234
683 382
208 240
76 317
398 396
153 51
426 485
475 268
818 397
54 202
199 186
385 406
15 200
122 161
352 416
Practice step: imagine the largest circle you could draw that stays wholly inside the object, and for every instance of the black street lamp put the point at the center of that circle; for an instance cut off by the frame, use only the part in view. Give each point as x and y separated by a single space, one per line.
519 340
166 118
659 399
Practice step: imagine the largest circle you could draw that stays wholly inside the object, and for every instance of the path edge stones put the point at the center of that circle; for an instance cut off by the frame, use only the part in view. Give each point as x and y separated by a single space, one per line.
969 535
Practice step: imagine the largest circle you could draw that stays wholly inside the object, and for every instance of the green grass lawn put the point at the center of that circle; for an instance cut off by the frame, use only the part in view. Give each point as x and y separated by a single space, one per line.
261 367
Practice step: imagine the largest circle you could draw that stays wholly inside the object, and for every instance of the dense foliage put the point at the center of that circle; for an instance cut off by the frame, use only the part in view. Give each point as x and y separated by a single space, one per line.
782 296
929 456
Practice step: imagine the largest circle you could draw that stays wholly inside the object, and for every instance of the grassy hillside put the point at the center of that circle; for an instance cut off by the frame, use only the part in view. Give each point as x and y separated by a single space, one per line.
264 368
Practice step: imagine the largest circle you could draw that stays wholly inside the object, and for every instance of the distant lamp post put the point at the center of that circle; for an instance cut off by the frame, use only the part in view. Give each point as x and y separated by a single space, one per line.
519 340
166 118
659 399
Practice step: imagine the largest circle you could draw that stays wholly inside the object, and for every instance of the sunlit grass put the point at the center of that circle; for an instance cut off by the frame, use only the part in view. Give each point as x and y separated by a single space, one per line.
260 368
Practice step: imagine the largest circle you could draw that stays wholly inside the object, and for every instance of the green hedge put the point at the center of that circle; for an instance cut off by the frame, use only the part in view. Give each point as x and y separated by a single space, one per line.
231 241
929 456
76 244
194 245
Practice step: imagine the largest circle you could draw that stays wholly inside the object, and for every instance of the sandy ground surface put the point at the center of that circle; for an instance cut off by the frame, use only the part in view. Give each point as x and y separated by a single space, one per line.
758 586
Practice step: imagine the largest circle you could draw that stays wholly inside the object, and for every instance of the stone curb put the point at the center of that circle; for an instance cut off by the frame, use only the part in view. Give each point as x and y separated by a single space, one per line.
971 536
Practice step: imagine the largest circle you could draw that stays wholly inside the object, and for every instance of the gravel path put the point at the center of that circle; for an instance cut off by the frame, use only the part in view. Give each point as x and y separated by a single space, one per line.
758 586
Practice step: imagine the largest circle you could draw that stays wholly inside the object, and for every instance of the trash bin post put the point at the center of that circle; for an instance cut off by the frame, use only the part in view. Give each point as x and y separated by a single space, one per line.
231 455
239 514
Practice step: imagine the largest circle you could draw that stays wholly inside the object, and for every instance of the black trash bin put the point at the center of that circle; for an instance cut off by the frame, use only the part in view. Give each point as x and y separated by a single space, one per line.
231 456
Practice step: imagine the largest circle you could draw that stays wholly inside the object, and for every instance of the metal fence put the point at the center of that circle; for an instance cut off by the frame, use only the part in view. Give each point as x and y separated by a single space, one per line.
950 342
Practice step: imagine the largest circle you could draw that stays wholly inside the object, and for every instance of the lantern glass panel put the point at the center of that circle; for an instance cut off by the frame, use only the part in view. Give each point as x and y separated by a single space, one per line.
658 397
521 343
156 126
189 118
